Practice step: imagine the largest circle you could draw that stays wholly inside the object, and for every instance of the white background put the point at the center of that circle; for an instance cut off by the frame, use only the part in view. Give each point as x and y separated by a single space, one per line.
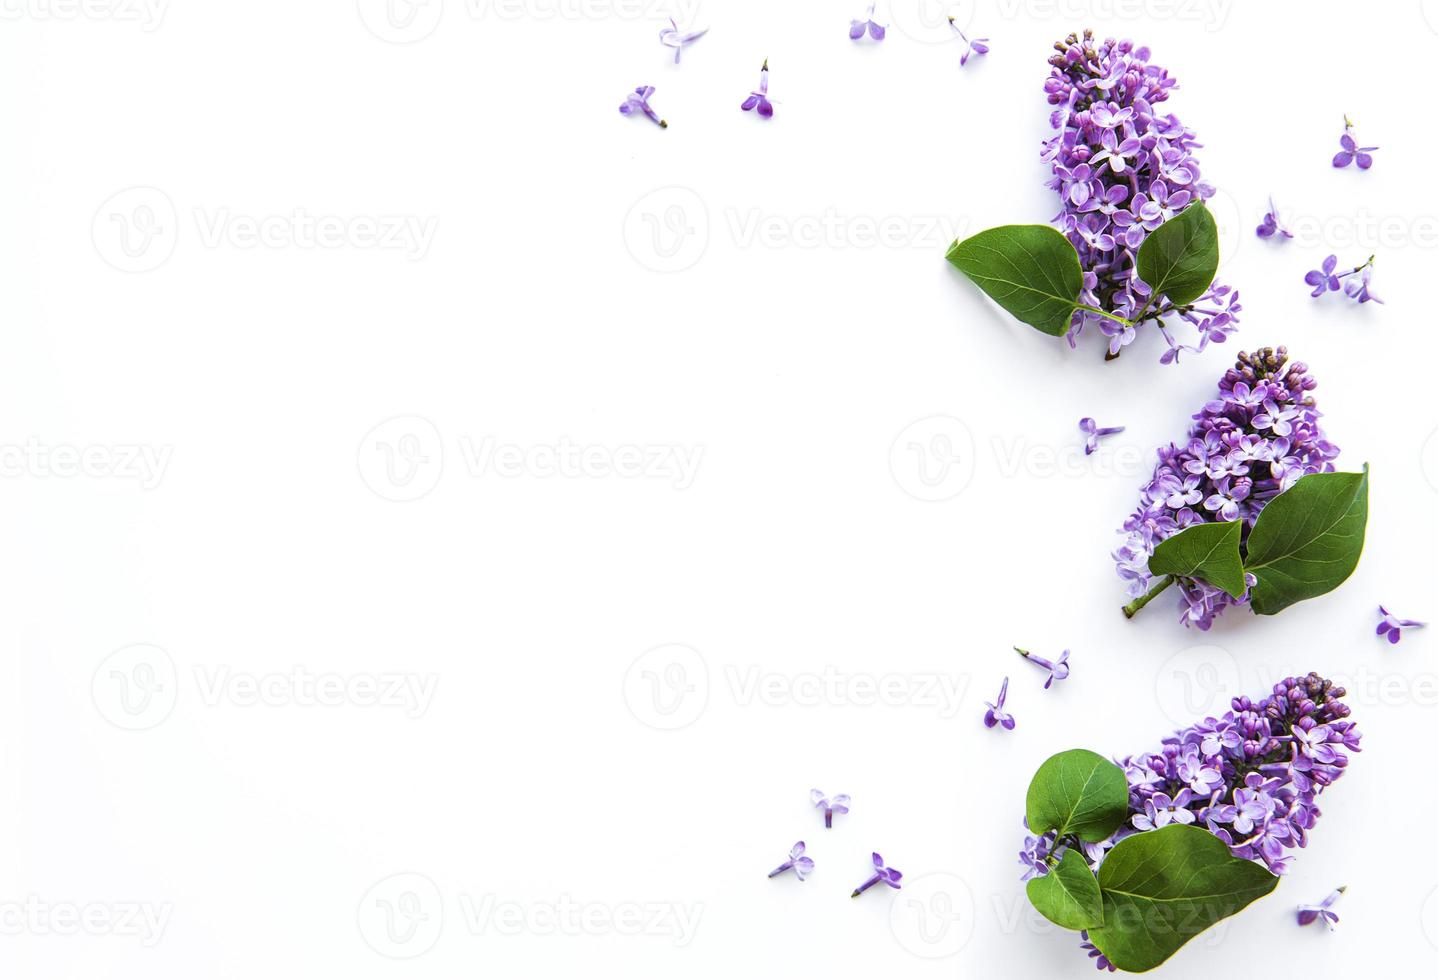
712 291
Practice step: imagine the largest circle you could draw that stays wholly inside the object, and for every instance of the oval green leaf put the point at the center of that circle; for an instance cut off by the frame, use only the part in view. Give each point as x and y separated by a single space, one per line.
1032 271
1179 258
1077 792
1208 552
1308 539
1163 887
1068 895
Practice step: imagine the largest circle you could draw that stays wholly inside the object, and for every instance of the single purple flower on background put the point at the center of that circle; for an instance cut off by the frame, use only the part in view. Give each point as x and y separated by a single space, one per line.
1323 280
839 804
638 101
888 876
1308 914
1058 670
857 27
1100 961
1351 150
1393 627
1272 224
1093 433
979 45
760 96
996 715
673 37
1358 288
802 865
1160 810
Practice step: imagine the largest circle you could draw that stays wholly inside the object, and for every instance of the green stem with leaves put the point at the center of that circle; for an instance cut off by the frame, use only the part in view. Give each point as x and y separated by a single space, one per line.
1143 600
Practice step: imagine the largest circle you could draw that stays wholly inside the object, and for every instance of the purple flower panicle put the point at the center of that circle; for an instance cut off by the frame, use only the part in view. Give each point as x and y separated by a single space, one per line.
1255 440
1122 168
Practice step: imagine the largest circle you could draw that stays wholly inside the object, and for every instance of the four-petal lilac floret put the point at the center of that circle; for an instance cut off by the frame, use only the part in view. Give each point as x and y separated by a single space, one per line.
638 102
978 45
760 97
673 37
1058 669
839 804
1351 151
1308 914
888 876
1392 627
1092 433
857 27
802 865
1272 224
996 715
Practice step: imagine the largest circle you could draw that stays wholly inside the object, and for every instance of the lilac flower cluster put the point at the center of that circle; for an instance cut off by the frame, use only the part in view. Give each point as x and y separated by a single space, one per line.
1251 777
1122 169
1255 440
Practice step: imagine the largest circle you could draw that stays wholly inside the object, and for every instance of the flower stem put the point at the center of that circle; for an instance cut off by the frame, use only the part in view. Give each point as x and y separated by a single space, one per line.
1144 599
781 868
829 817
1103 313
865 886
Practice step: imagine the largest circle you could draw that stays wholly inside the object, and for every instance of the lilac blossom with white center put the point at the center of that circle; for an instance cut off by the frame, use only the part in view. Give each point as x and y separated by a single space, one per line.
760 96
1255 440
1392 627
1093 433
888 876
979 45
638 102
673 37
800 864
1327 280
1122 168
1058 670
1274 757
1272 224
857 27
1309 914
839 804
996 715
1351 151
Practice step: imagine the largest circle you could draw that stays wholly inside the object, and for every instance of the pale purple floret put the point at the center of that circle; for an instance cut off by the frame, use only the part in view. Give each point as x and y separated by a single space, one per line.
1121 170
1308 914
1327 280
839 804
1392 627
638 102
1255 440
978 45
857 27
996 715
760 97
673 37
797 861
1351 151
1092 433
1272 224
888 876
1058 669
1273 759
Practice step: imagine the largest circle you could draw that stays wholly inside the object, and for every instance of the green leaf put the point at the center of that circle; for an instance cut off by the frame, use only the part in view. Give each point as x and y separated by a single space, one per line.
1032 271
1077 792
1068 895
1180 257
1203 551
1307 540
1163 887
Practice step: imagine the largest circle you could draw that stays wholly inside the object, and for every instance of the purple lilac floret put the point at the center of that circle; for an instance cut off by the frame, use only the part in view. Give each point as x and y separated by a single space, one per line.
1262 765
1309 914
972 46
760 96
1093 432
888 876
801 865
1327 280
638 102
1350 150
1272 224
996 715
839 804
1058 669
1122 169
1255 440
673 37
1391 627
857 27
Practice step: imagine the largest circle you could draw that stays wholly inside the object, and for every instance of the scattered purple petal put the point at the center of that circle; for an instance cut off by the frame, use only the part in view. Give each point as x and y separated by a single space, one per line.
638 101
858 27
1092 434
801 865
996 715
1392 627
839 804
1058 670
673 37
888 876
979 45
1309 914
